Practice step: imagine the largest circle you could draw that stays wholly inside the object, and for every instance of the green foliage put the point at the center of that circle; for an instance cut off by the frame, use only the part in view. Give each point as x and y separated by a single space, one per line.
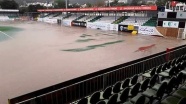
114 3
122 4
8 4
100 3
135 3
34 8
22 10
150 3
161 2
89 5
59 4
75 5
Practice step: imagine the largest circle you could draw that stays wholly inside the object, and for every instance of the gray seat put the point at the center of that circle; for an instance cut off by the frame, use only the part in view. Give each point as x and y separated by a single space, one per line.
182 101
124 95
101 102
95 97
170 100
140 100
144 85
106 93
134 80
150 73
153 94
126 83
112 99
116 87
83 101
179 93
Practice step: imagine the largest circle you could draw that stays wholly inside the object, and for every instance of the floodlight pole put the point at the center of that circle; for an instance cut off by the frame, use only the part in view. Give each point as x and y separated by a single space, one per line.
66 4
109 3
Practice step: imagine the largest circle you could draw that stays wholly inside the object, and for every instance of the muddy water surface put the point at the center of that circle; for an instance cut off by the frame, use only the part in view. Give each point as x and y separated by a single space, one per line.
41 55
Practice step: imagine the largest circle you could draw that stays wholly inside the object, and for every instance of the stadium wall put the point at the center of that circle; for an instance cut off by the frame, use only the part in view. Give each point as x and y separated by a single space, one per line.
166 31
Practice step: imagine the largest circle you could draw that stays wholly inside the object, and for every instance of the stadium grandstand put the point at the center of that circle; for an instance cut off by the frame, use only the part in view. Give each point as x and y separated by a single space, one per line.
156 78
144 15
8 14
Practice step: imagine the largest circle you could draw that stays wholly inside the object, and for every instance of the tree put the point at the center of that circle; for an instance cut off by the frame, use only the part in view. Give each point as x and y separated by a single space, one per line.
150 3
123 4
8 4
89 5
143 2
161 2
59 4
22 10
100 3
114 3
34 8
134 3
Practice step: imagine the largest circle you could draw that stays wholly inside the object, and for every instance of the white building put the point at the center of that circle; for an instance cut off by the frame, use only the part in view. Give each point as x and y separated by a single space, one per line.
50 4
123 1
179 7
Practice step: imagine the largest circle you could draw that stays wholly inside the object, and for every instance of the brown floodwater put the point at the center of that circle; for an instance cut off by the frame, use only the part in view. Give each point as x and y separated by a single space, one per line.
41 55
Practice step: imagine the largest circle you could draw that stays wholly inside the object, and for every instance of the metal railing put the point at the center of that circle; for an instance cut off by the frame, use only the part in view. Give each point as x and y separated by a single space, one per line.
86 87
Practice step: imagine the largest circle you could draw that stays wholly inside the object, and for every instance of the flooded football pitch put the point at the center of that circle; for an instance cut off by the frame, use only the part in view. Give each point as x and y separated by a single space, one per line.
39 55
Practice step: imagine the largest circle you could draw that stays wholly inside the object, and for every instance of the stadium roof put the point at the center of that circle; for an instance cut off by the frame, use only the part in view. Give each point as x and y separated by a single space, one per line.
9 10
180 0
102 9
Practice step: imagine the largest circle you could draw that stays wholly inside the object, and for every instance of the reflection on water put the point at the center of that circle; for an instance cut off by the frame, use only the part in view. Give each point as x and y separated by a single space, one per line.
92 46
85 35
6 32
84 40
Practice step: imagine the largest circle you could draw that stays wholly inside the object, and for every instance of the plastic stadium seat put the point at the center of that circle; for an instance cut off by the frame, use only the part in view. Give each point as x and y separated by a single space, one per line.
158 70
116 87
112 99
134 91
178 68
173 62
168 74
124 95
164 67
153 80
182 101
174 70
133 80
169 65
150 73
126 83
95 97
153 94
140 100
106 93
183 65
170 85
144 85
179 93
170 100
178 60
83 101
101 102
179 80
